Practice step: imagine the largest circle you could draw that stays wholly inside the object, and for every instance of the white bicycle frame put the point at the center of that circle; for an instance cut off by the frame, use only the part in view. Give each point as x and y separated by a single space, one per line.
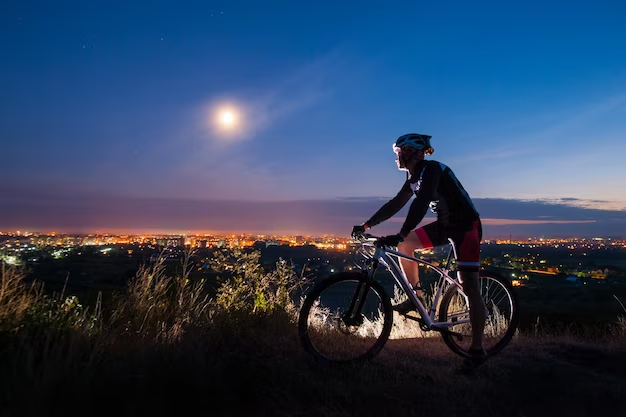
382 255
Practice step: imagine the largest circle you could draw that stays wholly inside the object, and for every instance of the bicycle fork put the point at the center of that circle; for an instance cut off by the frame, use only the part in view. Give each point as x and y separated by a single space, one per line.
353 315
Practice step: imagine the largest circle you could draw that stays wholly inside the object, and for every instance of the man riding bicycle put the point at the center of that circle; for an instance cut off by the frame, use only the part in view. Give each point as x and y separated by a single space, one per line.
434 185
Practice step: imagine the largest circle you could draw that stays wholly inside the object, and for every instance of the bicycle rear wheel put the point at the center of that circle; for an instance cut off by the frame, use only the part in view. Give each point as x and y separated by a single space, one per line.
502 317
345 318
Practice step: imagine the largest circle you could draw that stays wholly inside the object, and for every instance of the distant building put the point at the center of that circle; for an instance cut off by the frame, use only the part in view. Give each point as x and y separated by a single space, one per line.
573 279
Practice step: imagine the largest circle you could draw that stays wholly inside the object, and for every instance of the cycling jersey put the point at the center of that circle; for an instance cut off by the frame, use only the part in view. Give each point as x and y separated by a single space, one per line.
434 185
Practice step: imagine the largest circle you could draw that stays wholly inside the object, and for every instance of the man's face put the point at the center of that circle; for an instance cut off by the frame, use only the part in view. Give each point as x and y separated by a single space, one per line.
406 156
400 161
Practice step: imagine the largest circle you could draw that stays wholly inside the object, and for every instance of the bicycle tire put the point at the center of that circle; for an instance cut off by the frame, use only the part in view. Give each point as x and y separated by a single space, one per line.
500 336
333 332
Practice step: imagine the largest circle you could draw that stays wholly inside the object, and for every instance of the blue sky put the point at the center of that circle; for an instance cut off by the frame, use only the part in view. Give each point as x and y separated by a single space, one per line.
526 101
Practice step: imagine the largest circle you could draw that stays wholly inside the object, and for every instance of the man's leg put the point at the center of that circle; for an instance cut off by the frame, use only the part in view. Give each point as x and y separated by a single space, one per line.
469 279
410 244
468 263
421 238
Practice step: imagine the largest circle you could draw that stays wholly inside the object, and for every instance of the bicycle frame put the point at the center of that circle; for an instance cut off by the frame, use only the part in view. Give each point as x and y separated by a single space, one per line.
382 256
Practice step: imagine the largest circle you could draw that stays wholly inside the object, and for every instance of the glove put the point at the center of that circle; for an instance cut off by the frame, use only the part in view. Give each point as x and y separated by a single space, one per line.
391 240
357 231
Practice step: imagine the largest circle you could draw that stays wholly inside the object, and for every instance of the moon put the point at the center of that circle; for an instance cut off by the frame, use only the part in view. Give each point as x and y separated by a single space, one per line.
227 118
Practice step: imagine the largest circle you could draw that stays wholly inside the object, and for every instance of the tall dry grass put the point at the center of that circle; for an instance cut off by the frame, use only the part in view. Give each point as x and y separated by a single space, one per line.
620 326
50 341
166 345
16 297
157 306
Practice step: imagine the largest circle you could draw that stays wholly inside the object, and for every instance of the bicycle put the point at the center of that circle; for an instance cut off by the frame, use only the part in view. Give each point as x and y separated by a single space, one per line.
359 329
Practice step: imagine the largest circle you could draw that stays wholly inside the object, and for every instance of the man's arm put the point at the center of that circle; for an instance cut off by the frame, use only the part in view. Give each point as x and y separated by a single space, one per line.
426 187
391 207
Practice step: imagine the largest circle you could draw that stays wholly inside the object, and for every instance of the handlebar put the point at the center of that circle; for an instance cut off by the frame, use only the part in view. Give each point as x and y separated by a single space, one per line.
368 238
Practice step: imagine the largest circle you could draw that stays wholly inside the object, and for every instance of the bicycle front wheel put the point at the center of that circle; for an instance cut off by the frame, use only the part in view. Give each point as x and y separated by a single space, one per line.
345 318
500 324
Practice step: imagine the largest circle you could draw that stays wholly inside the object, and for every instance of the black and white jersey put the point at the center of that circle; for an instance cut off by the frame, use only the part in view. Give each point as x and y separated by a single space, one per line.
434 185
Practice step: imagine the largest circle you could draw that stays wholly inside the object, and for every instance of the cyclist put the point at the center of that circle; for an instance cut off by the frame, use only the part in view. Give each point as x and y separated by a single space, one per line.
434 185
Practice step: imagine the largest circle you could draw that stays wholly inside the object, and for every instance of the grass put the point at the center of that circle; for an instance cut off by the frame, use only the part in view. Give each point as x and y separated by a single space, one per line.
167 347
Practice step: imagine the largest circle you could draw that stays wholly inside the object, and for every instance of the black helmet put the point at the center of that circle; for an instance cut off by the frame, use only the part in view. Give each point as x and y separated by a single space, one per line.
414 141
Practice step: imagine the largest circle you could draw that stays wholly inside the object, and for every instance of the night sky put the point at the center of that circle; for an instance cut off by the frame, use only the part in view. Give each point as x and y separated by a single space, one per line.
279 116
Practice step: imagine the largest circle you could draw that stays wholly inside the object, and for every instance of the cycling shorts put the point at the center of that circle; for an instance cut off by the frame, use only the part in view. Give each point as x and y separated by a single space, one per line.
466 241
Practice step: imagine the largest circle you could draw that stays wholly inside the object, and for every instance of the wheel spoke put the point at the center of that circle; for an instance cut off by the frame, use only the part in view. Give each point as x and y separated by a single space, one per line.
499 325
356 319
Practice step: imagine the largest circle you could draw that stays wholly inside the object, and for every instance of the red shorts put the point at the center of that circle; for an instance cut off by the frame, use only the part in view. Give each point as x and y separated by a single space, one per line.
466 241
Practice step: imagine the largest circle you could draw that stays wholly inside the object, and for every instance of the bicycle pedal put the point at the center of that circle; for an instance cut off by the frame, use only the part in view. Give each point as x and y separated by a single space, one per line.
451 333
421 322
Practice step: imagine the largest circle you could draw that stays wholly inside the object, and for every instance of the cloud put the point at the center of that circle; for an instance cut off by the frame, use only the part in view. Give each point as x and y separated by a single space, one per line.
571 122
610 205
495 154
542 139
505 222
204 160
39 208
261 109
538 209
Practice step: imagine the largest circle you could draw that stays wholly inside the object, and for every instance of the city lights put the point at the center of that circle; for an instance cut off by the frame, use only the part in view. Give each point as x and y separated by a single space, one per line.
538 256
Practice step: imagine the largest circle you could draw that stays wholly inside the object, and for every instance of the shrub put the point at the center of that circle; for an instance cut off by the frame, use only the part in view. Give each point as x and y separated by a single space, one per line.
249 288
58 312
